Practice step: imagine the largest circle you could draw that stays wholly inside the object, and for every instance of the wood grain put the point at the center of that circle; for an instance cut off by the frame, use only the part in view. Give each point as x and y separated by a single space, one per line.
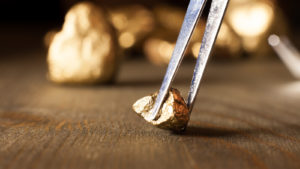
247 115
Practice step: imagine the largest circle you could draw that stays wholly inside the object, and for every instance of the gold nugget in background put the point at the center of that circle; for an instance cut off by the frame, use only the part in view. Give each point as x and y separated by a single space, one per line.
84 51
159 46
133 23
253 21
228 44
244 31
48 38
159 51
152 31
249 20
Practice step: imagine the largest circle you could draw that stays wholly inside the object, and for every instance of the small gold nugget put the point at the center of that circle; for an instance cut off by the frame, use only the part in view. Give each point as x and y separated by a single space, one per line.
174 114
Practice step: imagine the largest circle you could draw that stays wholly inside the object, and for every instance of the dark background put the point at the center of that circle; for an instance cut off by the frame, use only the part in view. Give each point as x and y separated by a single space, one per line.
53 10
14 11
24 23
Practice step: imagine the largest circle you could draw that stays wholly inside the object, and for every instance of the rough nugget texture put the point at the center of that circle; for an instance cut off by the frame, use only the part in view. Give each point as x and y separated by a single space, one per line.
174 114
84 51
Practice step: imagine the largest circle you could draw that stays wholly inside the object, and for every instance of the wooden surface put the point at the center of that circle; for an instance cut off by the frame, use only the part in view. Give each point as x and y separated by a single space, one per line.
247 115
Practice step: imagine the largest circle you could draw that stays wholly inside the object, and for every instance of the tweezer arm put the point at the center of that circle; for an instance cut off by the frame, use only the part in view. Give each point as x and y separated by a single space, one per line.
193 13
215 17
287 53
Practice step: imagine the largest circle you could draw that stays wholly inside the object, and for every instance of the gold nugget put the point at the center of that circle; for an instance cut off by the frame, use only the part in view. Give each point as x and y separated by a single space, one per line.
133 24
84 51
174 114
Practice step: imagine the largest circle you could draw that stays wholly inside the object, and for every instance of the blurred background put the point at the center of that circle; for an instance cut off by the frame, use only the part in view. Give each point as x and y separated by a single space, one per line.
148 29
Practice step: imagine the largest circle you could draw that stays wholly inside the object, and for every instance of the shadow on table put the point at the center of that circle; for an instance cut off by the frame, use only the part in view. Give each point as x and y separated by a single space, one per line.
211 132
200 131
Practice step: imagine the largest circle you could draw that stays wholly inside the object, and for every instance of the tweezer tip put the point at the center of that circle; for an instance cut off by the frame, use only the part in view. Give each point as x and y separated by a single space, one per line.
153 114
274 40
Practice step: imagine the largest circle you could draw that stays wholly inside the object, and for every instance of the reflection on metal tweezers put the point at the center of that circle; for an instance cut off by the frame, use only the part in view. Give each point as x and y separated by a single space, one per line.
287 53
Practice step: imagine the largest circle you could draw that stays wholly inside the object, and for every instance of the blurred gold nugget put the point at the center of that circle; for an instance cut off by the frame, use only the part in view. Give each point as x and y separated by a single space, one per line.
133 23
228 43
169 17
174 114
245 29
159 46
48 38
84 51
158 51
252 21
170 20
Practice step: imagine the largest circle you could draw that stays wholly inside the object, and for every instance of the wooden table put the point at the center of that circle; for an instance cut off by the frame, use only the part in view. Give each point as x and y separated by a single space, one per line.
247 115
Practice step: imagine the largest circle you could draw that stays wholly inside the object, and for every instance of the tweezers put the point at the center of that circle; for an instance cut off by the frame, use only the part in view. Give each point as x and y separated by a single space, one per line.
214 20
287 52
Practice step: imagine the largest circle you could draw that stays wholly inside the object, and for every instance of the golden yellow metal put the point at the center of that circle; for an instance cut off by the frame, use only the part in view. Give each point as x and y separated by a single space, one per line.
84 51
174 114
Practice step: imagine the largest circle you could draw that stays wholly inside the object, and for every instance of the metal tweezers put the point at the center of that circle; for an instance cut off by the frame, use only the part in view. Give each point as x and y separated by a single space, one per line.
214 20
287 52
